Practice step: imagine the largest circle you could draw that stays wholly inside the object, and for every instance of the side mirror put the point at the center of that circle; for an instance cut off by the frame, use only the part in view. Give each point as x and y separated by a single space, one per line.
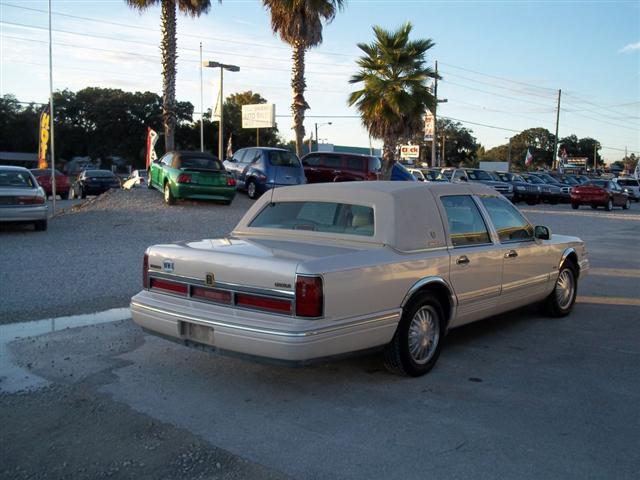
542 233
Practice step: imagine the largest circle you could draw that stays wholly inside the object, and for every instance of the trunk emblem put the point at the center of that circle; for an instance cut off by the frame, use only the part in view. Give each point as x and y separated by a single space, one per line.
210 279
167 266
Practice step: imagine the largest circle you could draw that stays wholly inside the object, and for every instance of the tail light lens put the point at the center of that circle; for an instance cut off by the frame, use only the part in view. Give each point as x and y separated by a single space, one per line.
168 286
145 271
231 182
184 178
372 176
309 296
30 200
263 303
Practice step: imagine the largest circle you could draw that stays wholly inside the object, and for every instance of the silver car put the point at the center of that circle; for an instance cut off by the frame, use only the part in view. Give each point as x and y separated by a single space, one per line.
21 198
332 268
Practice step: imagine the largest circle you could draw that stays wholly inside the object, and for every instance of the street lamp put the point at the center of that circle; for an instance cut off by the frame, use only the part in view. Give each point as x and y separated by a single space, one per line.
320 125
223 67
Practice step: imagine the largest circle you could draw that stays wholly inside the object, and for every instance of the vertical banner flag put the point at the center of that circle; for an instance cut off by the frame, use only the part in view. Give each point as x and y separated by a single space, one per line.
152 138
528 160
229 148
636 171
43 143
428 126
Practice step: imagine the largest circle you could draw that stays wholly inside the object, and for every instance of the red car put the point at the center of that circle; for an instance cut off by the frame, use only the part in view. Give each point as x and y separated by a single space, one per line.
43 176
599 193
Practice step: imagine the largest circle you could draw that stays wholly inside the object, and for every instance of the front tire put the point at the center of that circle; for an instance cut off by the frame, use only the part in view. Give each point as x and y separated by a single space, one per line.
561 300
169 199
252 190
417 343
575 206
627 205
609 206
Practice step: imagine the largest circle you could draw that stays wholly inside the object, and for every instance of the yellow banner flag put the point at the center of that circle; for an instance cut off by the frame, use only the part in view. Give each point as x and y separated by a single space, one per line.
43 144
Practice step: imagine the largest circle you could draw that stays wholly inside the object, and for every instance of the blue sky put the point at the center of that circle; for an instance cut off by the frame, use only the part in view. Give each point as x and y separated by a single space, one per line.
502 62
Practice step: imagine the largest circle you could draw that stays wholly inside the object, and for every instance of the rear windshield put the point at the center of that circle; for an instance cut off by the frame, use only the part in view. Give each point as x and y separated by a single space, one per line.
627 182
200 163
280 158
15 179
325 217
98 173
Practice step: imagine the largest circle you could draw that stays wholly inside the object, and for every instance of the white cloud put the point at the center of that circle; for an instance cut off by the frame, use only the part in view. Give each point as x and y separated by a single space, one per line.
632 47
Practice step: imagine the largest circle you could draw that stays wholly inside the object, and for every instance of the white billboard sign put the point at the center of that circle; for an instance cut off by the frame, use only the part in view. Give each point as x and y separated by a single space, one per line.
409 151
262 115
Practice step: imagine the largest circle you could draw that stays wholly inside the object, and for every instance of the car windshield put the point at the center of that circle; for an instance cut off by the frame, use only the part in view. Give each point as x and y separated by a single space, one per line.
203 163
598 183
447 174
628 182
532 179
15 179
478 175
547 178
283 158
503 176
328 217
570 181
98 173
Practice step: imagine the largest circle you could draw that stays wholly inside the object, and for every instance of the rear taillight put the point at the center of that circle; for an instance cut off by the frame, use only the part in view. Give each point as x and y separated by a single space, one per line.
145 271
231 182
168 286
184 178
309 296
372 176
263 303
30 200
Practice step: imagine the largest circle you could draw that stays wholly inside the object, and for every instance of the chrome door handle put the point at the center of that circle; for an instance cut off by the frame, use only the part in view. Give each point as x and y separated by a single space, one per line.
463 260
511 254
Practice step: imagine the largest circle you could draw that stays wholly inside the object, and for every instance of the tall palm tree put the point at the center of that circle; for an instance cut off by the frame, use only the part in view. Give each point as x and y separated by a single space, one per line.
299 23
168 49
394 94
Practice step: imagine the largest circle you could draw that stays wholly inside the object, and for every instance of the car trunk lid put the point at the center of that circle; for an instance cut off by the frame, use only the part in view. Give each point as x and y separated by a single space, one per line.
204 176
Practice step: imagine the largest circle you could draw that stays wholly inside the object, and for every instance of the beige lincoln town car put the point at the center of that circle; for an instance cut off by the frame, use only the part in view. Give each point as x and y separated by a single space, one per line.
315 271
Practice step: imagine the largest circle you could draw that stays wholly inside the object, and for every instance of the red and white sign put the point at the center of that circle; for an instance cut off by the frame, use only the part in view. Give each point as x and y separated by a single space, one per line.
152 138
409 151
429 124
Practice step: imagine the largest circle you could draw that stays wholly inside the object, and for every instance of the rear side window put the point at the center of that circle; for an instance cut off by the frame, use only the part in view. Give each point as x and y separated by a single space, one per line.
509 222
356 163
331 161
327 217
281 158
466 226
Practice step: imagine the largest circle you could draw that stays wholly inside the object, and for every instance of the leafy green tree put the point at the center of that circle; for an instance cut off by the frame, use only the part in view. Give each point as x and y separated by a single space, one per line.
18 125
394 94
168 47
299 23
460 145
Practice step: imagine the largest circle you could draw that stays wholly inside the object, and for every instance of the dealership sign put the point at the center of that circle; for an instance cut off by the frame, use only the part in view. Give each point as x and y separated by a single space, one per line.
262 115
409 151
429 122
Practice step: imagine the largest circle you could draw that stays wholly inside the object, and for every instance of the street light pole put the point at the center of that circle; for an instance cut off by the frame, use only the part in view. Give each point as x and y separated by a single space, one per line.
317 140
222 67
201 106
51 122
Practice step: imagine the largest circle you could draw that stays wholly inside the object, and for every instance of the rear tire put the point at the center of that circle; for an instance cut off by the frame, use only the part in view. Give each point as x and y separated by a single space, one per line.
83 194
595 207
609 206
169 199
575 206
40 225
417 343
149 186
561 300
627 205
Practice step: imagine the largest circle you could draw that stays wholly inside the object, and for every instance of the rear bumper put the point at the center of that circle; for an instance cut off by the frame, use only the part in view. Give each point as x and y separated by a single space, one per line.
260 334
202 192
23 214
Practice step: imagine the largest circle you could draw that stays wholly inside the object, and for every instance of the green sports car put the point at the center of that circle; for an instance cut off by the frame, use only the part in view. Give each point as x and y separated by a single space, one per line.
194 175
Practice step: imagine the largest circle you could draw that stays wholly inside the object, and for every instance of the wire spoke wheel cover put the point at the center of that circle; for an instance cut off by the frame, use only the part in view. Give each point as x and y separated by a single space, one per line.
424 334
565 288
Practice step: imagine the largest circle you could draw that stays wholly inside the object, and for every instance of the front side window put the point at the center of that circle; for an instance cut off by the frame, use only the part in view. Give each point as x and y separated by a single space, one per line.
509 222
466 226
327 217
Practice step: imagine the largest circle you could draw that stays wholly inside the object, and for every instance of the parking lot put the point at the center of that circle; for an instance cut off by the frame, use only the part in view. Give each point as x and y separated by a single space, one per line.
517 396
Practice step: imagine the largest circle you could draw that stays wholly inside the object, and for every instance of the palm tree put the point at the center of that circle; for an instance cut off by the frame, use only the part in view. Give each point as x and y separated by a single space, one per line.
394 94
299 23
168 48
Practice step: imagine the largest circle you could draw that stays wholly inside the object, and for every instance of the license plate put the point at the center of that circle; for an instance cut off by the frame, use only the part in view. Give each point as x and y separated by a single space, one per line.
197 333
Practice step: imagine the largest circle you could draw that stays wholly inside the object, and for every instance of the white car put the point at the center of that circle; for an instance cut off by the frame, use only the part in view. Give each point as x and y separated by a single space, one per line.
137 177
320 270
21 198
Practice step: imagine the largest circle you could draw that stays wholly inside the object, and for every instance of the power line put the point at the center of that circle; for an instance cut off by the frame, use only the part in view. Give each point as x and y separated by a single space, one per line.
497 94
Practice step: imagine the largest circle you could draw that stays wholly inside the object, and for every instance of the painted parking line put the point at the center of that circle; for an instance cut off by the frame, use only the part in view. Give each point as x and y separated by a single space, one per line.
624 301
615 272
606 215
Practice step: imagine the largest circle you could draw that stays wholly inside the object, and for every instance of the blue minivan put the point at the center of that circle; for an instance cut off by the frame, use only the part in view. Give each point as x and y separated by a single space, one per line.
258 169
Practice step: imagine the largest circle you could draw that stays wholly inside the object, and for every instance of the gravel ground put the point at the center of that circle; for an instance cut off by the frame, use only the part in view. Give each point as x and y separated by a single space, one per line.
90 257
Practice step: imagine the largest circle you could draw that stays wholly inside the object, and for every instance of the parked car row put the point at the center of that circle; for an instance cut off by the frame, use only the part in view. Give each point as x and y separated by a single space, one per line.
22 199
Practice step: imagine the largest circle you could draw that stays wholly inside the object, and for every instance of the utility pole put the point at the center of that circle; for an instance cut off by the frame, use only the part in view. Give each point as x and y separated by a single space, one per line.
595 156
201 106
554 160
435 133
442 156
51 122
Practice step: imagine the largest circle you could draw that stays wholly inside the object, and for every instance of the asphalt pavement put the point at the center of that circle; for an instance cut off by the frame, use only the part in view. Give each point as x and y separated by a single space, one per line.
515 396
